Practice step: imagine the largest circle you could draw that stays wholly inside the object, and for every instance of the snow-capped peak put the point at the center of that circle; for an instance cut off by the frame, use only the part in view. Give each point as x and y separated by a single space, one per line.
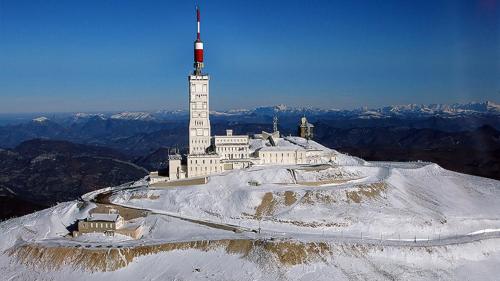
145 116
280 107
41 119
83 115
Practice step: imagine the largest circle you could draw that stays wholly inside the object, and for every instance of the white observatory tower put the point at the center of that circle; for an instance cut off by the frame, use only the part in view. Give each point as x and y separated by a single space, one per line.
199 123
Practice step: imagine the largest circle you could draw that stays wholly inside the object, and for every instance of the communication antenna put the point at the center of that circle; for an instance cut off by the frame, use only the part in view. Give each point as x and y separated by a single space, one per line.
198 46
275 123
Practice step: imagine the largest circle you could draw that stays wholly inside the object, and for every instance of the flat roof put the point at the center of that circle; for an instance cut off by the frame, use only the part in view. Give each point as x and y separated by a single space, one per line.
280 148
103 217
231 136
211 155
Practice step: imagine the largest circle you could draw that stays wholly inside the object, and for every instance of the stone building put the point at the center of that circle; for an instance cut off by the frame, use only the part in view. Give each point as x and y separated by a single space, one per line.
108 224
306 129
103 223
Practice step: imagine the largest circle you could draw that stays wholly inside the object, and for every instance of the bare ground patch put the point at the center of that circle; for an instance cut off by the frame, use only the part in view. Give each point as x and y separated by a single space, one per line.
266 207
366 191
287 253
290 198
315 197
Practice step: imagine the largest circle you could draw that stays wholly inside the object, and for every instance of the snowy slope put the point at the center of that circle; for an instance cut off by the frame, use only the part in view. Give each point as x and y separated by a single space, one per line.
422 199
345 219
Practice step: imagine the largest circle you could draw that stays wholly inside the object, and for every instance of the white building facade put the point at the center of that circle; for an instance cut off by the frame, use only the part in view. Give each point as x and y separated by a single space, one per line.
199 122
281 155
232 146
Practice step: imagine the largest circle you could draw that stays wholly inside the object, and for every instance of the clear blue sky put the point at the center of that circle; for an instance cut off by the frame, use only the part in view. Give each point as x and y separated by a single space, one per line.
135 55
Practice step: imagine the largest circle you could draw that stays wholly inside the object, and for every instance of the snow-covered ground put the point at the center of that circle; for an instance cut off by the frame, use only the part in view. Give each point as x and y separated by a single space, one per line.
421 199
345 219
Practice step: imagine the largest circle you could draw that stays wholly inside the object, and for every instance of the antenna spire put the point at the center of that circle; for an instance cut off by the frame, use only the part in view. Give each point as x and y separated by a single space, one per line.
198 37
275 123
198 46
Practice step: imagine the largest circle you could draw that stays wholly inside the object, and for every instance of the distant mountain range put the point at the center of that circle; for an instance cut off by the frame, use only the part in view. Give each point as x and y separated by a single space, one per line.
409 110
141 133
399 111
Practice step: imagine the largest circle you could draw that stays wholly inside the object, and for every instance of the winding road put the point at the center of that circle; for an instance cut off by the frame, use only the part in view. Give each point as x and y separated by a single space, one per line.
337 237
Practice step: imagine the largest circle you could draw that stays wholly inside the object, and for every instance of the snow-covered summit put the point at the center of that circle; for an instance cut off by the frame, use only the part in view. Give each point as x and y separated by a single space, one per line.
339 218
144 116
41 119
83 115
449 109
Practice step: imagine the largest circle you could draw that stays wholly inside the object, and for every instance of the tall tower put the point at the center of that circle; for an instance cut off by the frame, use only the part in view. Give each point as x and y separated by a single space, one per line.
199 122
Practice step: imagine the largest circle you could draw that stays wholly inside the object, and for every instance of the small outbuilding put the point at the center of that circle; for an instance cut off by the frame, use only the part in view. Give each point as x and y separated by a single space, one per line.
100 222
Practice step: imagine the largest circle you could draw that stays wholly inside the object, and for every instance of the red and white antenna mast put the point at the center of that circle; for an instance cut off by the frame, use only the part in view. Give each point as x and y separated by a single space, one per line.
198 47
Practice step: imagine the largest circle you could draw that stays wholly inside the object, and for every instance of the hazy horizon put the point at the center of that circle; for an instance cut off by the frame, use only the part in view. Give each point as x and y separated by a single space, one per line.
36 113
